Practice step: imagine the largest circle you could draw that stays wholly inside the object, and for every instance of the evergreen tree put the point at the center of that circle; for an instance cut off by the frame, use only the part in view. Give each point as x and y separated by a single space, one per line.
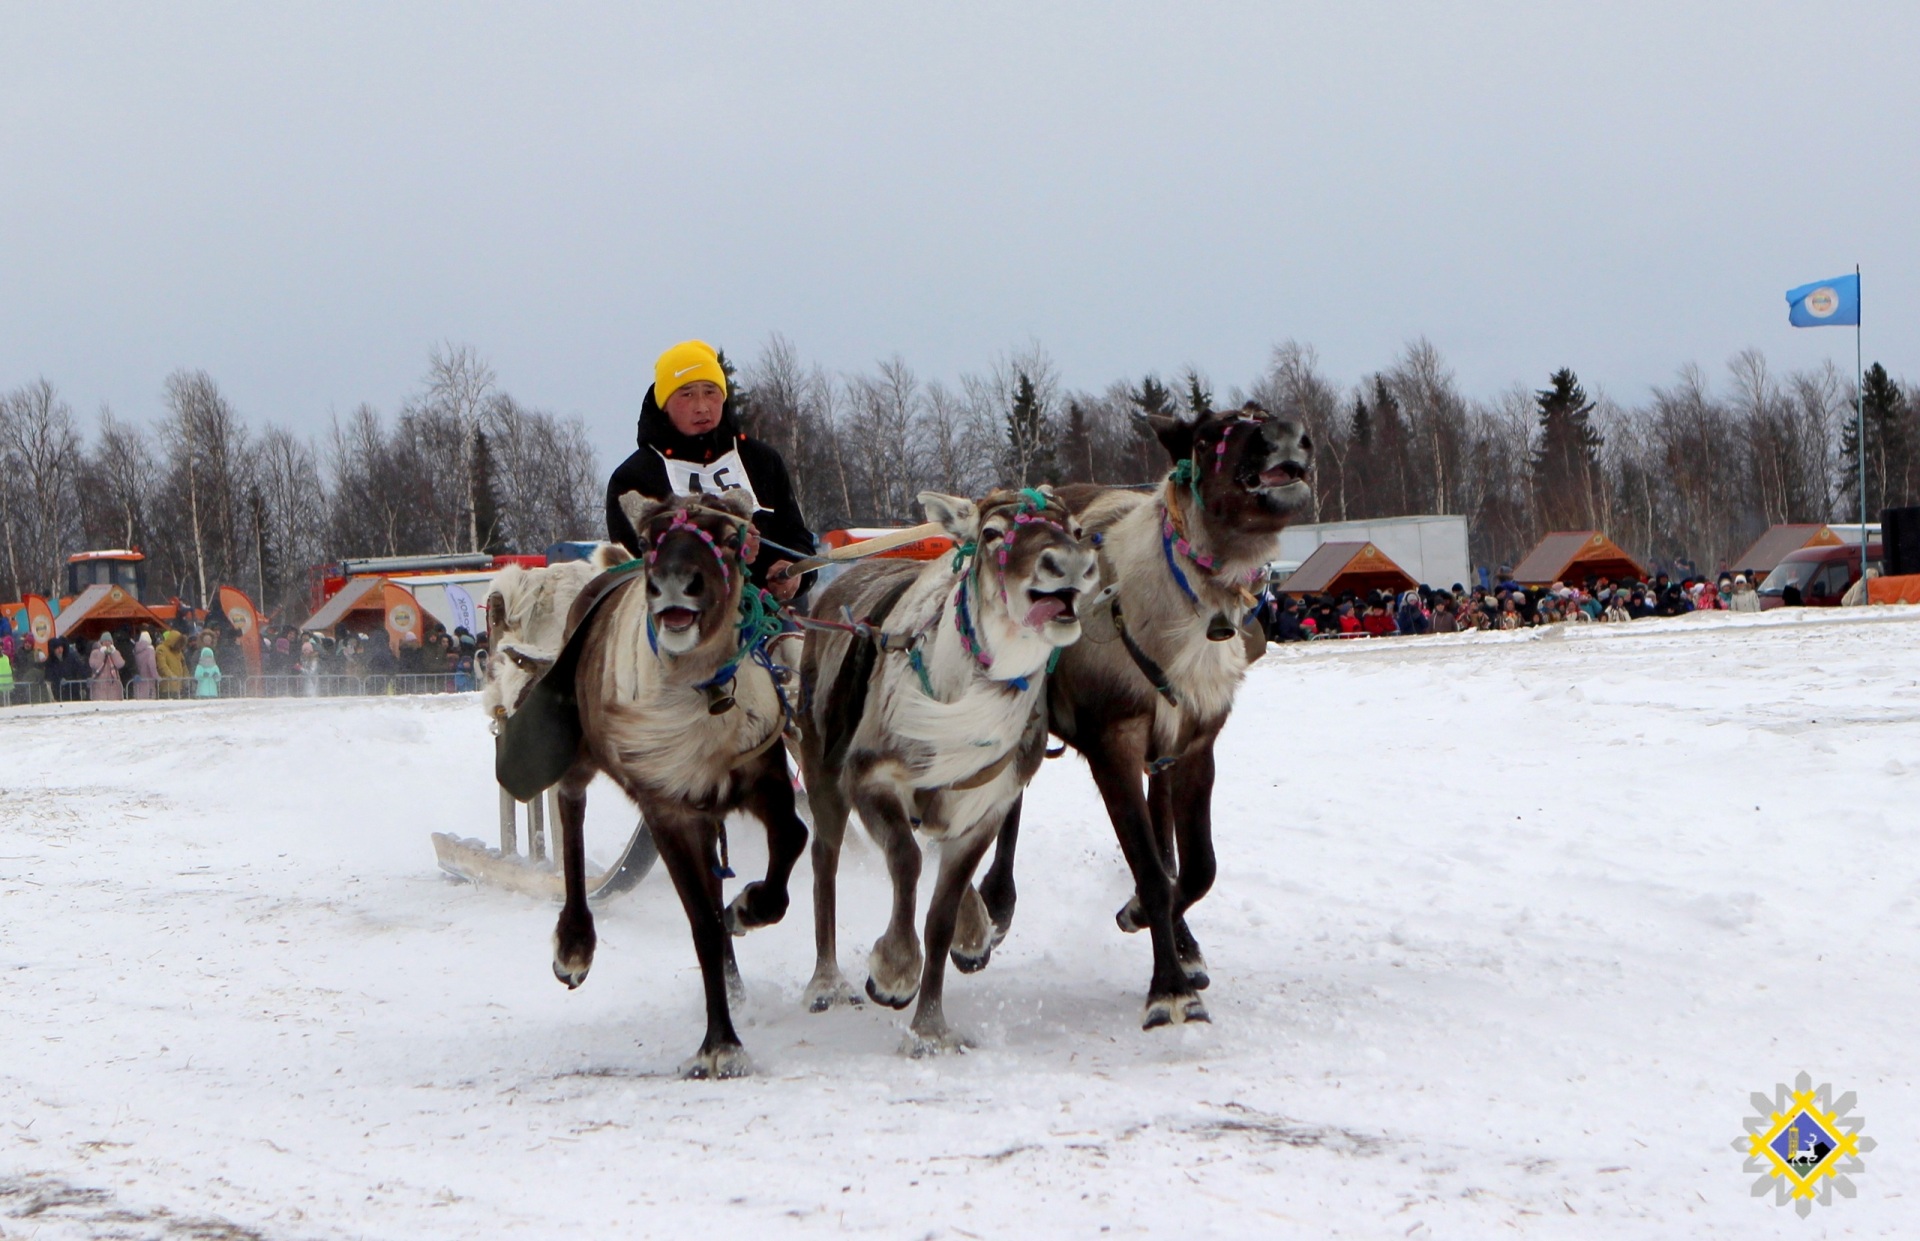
1030 435
486 501
1199 398
1152 397
1566 463
1387 486
1146 460
1077 445
1360 424
1893 443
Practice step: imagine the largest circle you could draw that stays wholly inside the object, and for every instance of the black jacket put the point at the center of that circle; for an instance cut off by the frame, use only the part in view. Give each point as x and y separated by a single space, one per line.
646 473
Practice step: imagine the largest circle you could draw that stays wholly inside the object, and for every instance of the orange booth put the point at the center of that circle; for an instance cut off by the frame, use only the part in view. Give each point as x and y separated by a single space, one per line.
1573 556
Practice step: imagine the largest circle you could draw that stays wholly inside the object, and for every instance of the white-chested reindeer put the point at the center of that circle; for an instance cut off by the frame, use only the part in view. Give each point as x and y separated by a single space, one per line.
934 731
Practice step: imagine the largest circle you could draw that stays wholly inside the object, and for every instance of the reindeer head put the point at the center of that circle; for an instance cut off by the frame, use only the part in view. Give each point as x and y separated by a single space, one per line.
691 546
1032 567
1249 467
512 667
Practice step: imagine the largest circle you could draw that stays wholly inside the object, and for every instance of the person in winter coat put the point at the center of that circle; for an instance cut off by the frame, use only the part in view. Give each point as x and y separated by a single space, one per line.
1745 597
67 669
689 444
1377 623
1412 617
6 674
146 667
105 664
206 675
171 662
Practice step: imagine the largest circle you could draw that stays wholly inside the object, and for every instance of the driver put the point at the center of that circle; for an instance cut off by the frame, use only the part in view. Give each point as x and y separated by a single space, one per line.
691 445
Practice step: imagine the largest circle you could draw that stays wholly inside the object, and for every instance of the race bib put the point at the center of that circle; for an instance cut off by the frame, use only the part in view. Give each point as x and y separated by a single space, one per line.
724 473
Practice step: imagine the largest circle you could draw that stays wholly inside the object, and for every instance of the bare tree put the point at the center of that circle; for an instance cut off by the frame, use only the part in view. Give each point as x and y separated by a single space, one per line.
290 518
118 484
447 419
203 486
39 464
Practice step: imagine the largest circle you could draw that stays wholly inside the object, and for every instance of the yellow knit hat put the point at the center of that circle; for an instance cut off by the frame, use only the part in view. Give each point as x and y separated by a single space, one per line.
690 361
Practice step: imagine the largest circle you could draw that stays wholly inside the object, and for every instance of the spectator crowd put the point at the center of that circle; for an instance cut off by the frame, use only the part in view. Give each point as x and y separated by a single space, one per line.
195 659
1508 605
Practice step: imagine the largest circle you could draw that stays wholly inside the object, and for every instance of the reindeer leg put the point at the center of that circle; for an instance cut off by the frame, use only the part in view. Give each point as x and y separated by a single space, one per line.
573 935
893 967
828 986
929 1032
685 848
1160 815
764 902
1115 761
1192 781
996 887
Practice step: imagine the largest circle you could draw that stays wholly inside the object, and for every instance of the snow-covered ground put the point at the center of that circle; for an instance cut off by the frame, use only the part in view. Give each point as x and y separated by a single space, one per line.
1508 929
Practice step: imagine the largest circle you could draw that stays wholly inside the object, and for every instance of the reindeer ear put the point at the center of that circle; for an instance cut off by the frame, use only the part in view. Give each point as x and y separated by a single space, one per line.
1175 434
608 555
496 613
736 502
959 515
639 509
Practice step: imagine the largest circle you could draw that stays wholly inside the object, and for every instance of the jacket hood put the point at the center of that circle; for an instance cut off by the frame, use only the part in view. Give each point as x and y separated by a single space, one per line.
657 432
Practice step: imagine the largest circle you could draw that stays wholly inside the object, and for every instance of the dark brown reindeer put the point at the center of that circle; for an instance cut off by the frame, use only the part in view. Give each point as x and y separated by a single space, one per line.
669 704
1148 691
934 732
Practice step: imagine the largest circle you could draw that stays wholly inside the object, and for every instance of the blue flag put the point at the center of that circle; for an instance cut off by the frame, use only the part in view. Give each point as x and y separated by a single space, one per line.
1825 303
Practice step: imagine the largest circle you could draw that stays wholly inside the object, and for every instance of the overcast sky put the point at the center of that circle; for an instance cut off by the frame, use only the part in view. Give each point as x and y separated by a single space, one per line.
302 199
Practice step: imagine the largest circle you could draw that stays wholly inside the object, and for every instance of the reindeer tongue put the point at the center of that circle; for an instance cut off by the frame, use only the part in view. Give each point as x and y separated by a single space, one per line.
1044 610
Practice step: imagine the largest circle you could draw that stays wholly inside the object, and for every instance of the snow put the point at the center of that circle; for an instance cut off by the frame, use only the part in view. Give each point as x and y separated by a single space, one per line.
1508 929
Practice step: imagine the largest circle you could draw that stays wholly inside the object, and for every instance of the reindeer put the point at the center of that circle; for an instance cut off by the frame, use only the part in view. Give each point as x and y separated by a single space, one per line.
527 623
1170 637
677 703
935 730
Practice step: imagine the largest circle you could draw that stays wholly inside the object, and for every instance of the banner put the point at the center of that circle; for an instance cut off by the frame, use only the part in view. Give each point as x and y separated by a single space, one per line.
39 620
403 615
245 619
464 615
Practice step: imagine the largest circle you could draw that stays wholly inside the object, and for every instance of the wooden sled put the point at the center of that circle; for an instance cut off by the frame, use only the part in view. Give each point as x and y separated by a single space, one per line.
532 874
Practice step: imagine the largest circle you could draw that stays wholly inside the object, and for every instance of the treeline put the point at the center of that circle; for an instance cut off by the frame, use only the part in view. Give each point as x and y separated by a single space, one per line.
461 466
1692 474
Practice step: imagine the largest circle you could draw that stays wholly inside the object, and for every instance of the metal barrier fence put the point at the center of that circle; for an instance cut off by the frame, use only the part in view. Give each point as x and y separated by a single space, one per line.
32 693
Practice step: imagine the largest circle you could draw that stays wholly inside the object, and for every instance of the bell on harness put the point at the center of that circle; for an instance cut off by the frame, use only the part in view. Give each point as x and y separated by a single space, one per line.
1220 629
719 697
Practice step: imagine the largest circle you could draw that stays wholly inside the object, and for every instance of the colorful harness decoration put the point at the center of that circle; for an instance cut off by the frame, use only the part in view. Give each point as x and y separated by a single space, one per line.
1032 512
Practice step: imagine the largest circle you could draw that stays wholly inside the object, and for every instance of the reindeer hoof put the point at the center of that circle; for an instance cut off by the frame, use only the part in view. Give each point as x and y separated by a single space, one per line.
940 1043
825 993
742 916
1174 1010
1195 968
973 938
891 1001
573 944
717 1062
1131 917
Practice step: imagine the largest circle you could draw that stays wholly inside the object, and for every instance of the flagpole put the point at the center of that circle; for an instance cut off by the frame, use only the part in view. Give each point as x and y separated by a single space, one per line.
1860 426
